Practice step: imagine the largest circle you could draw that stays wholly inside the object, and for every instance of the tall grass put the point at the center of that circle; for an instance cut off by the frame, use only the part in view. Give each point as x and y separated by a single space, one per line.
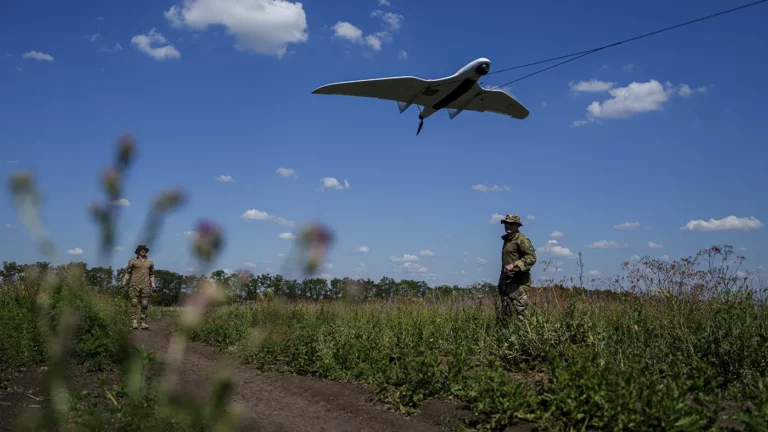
667 358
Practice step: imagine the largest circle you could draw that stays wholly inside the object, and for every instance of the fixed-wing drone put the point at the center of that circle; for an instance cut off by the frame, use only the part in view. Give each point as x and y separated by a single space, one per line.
456 93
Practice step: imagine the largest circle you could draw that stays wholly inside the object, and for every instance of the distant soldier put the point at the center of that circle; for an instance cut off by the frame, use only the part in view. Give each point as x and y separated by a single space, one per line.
141 271
517 258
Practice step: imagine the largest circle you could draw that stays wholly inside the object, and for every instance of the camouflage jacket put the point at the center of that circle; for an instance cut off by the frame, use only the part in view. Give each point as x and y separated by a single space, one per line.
519 251
140 272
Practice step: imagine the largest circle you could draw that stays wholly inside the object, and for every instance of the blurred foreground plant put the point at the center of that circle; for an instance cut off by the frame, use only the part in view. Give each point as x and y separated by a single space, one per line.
137 405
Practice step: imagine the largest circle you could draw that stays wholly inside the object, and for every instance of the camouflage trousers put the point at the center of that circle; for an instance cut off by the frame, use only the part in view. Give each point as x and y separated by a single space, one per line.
514 299
139 301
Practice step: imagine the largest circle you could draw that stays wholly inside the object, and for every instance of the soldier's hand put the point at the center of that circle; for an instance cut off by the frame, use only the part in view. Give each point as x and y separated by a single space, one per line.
509 268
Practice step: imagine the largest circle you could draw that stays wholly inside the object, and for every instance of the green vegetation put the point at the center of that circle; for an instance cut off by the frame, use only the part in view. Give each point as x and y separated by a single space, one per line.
669 353
679 347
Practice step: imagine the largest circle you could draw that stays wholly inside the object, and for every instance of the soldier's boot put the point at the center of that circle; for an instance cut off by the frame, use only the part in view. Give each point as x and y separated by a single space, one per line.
134 325
144 326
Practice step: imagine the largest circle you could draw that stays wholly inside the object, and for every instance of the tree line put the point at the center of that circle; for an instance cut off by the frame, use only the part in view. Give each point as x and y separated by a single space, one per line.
172 288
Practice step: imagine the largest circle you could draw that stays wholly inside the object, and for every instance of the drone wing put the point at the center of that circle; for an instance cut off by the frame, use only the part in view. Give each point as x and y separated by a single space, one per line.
401 89
496 101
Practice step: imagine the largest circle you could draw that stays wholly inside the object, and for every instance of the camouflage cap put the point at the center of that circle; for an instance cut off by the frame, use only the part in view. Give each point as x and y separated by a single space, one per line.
511 218
140 247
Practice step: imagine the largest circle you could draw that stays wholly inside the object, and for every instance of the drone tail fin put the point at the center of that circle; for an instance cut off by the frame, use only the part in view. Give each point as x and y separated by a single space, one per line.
453 112
403 106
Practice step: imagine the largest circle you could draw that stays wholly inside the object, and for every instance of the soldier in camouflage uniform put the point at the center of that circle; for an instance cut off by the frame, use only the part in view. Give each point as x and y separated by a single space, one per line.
517 258
141 271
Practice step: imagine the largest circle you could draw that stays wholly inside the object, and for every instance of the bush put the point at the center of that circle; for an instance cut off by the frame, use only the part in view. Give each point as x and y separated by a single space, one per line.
103 324
20 341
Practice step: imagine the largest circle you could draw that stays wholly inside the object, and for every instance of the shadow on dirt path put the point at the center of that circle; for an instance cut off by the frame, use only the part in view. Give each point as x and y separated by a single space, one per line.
271 401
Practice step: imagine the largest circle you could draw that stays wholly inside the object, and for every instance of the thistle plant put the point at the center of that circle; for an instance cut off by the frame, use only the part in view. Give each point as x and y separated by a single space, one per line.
140 405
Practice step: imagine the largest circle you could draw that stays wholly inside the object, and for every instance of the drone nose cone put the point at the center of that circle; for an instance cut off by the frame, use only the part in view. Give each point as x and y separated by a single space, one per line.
483 69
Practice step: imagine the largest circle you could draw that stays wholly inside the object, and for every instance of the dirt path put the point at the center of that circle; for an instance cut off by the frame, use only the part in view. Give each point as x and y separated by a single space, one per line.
269 401
272 401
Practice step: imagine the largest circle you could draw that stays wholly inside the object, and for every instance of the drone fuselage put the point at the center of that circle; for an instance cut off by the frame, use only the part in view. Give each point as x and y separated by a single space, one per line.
455 88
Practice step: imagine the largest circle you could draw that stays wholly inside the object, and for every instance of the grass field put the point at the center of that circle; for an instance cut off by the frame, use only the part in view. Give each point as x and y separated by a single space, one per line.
663 362
681 354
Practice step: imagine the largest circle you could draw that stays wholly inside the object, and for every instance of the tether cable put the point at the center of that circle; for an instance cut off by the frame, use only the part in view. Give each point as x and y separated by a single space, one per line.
580 54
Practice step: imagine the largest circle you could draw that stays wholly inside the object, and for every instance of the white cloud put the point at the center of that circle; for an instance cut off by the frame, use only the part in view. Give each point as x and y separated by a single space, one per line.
426 252
729 223
635 98
481 260
578 123
496 218
531 217
9 226
591 86
116 48
283 221
285 172
374 41
385 3
392 20
594 272
37 55
362 249
249 264
190 233
352 33
634 257
260 26
404 258
685 91
118 248
653 245
286 236
494 188
628 68
553 249
122 202
664 257
75 251
145 42
606 244
255 214
13 161
627 225
348 31
412 267
556 234
332 183
224 179
93 37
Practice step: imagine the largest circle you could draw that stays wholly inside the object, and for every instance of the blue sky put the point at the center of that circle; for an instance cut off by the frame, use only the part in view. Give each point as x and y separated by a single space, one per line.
654 134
